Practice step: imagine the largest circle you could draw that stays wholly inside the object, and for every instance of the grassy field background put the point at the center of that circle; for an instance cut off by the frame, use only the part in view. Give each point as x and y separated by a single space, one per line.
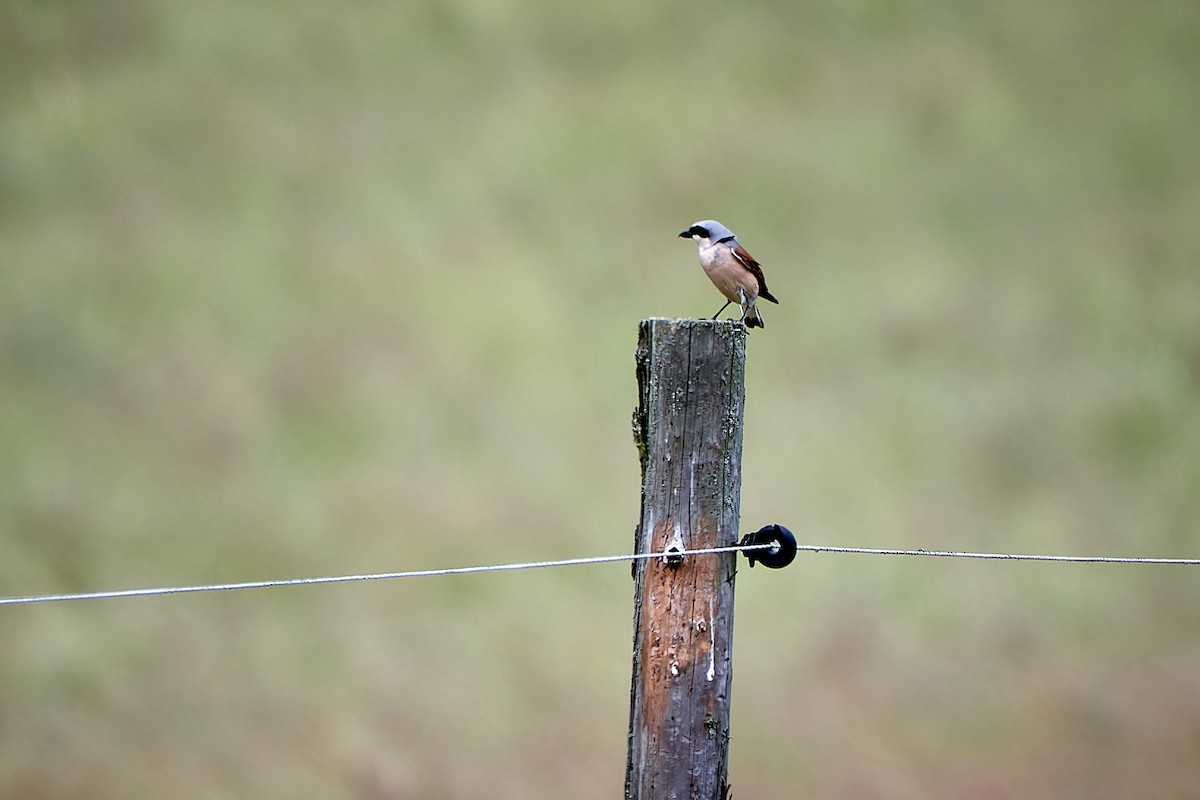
304 289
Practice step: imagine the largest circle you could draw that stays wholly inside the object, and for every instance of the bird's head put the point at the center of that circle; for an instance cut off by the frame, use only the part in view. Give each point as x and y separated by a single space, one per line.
706 231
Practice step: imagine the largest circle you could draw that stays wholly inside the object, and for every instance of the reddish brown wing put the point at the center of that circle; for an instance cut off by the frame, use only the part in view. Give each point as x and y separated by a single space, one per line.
749 263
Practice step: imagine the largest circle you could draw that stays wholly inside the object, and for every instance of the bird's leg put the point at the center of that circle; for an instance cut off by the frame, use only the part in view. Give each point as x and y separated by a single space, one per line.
722 308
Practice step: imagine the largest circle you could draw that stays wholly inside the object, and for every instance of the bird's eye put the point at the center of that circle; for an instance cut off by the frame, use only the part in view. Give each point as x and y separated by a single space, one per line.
697 230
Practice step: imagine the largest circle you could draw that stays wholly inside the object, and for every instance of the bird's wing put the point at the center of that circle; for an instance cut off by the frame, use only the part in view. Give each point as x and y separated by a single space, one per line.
747 261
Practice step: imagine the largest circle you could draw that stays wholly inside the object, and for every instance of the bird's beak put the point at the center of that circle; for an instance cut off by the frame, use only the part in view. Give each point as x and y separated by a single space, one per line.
685 235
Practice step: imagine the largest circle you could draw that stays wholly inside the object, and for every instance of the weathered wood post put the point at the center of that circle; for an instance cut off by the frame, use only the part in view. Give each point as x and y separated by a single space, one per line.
688 431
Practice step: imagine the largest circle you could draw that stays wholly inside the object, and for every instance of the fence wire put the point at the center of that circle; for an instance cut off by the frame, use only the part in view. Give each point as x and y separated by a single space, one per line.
572 562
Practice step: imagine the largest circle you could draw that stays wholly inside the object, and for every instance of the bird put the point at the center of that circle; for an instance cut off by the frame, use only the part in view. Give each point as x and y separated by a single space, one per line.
732 270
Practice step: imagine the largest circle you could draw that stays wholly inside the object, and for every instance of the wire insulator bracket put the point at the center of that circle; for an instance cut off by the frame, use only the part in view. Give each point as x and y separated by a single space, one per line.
781 553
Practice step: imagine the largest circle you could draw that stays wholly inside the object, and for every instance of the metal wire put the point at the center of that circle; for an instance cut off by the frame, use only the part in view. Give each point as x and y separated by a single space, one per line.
870 551
378 576
570 562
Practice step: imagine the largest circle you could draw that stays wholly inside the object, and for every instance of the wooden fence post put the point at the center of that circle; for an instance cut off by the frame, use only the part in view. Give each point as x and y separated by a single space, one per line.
688 431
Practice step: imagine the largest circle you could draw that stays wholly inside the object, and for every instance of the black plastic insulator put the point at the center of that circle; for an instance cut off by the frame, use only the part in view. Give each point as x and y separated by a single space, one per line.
782 552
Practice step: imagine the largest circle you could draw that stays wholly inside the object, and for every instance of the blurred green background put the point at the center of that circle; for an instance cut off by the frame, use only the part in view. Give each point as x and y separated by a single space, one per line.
293 289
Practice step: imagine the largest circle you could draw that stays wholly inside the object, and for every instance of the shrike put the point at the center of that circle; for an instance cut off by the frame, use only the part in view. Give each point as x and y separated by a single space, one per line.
732 270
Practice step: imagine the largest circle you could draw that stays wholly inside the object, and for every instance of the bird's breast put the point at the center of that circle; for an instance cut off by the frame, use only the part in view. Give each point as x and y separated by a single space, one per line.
727 274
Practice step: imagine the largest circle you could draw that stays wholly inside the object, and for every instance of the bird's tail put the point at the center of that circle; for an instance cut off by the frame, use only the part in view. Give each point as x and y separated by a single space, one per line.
753 320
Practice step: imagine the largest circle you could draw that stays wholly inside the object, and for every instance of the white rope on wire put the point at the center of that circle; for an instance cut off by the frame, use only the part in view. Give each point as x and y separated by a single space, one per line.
570 562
